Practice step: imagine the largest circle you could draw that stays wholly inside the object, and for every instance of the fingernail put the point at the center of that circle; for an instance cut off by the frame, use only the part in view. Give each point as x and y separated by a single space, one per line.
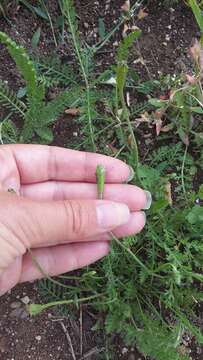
131 174
148 200
110 215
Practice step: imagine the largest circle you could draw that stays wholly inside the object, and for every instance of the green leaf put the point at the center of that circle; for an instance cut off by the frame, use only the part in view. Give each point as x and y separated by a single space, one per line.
123 50
199 138
9 100
184 136
37 10
197 13
200 192
197 109
160 346
195 216
9 132
158 103
23 63
45 134
41 13
36 38
147 87
159 205
121 74
101 28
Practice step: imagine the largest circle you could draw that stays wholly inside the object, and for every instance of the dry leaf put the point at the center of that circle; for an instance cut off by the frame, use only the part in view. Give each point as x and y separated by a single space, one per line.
72 111
126 6
145 117
130 141
201 60
142 14
113 149
165 96
158 120
167 128
182 350
168 193
191 79
140 60
128 98
195 50
125 29
158 124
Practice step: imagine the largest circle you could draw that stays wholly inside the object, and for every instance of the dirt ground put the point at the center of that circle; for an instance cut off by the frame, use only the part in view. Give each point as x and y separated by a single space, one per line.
167 35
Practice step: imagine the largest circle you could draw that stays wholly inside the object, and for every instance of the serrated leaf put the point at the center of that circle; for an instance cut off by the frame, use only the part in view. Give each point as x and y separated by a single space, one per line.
123 50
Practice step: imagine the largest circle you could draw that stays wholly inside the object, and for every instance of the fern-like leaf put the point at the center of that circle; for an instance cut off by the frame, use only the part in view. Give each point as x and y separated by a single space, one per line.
9 100
57 106
23 63
9 134
37 121
52 72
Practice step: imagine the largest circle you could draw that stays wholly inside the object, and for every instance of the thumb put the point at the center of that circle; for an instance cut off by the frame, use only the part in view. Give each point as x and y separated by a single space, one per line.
72 220
44 223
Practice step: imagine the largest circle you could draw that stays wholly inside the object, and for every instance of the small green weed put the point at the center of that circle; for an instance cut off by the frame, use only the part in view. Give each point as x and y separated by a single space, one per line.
36 114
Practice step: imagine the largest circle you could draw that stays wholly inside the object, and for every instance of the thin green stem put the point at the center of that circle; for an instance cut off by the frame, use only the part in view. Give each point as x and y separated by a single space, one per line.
78 53
101 179
129 252
182 171
50 22
35 309
45 274
127 118
134 146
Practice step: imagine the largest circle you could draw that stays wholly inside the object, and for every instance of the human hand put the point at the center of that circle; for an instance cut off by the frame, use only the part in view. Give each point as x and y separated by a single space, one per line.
55 211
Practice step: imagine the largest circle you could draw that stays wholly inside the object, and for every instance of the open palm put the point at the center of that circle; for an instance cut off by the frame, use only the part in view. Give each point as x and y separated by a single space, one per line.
55 210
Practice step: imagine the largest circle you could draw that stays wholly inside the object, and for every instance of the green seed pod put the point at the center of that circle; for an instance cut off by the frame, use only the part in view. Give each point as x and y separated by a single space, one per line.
100 174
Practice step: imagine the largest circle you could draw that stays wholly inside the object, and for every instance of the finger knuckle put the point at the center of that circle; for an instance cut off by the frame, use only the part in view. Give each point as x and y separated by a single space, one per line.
77 218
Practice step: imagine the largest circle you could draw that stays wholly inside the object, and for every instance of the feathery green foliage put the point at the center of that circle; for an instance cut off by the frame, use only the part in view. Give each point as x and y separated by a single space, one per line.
9 100
52 72
37 115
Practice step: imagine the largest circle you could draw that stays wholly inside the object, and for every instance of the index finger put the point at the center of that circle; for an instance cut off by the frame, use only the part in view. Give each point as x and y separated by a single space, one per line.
38 163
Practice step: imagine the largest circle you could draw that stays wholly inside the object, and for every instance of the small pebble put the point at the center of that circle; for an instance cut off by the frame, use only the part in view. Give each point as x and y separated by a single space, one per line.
124 351
19 313
25 300
15 305
38 338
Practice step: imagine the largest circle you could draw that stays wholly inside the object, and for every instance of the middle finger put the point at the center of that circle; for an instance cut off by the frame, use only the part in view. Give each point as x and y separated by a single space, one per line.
134 197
